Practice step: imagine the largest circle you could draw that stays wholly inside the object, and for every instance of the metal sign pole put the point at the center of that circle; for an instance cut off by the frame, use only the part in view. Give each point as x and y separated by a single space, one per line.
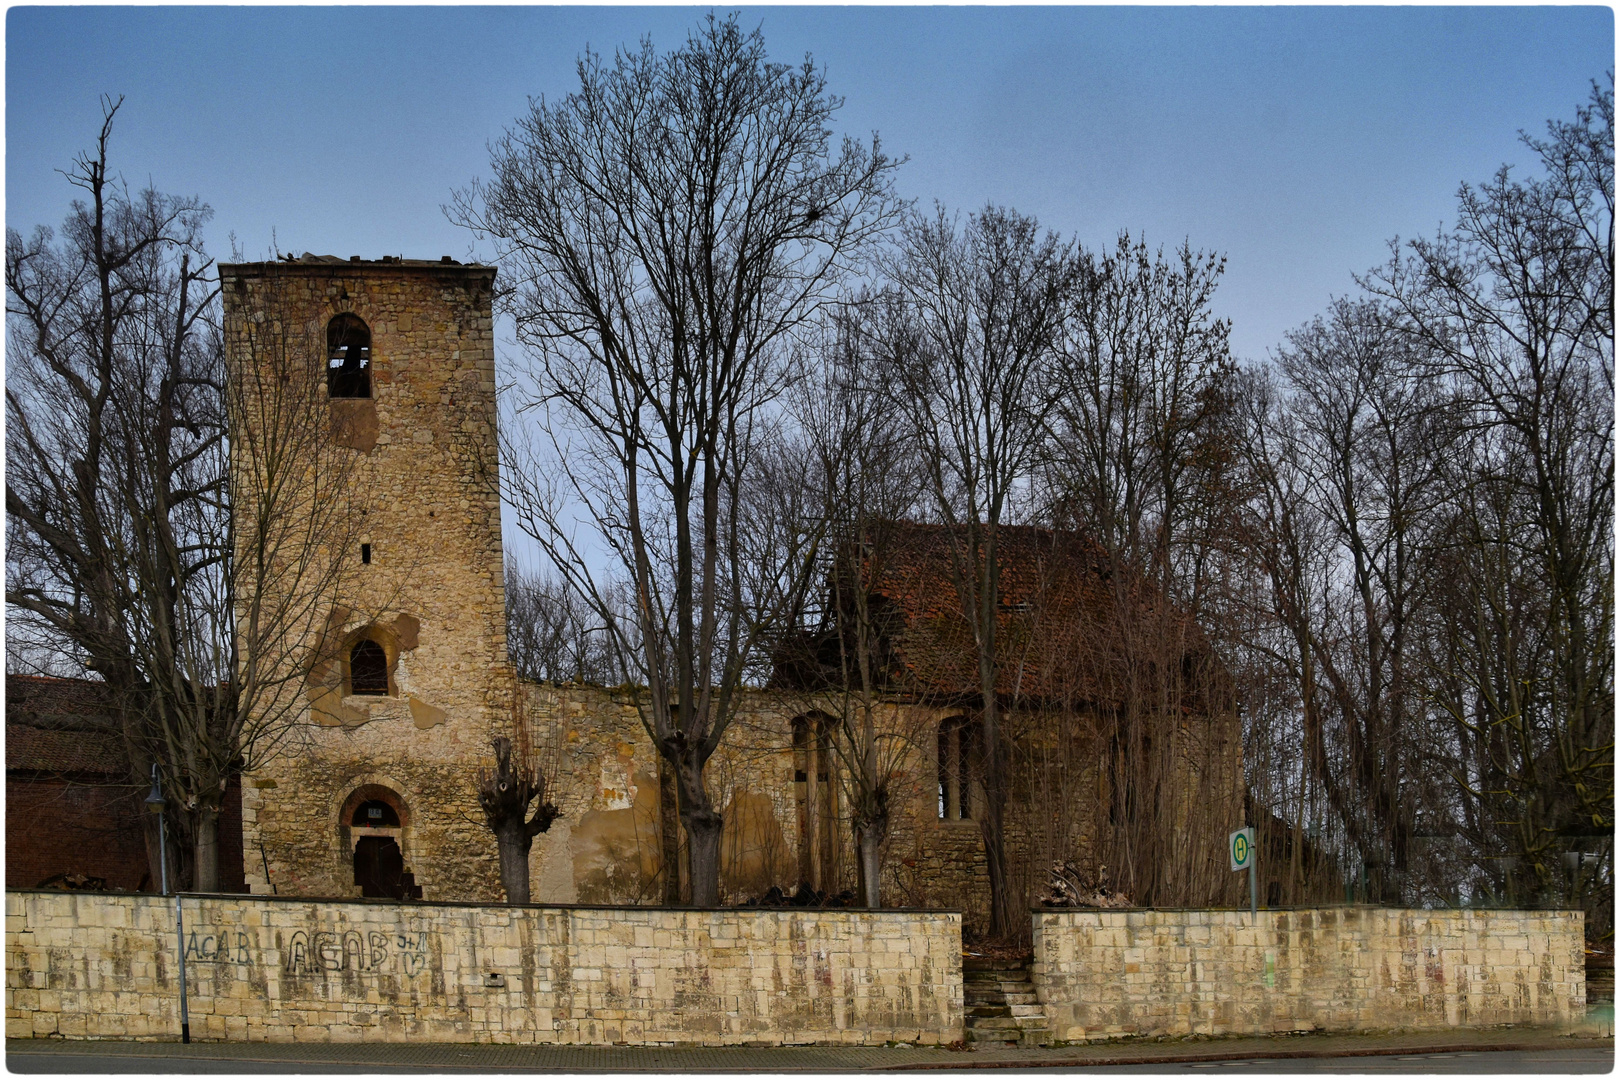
180 930
155 803
1240 849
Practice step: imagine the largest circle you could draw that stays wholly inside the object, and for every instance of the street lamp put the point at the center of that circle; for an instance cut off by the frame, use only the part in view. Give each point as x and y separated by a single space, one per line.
155 804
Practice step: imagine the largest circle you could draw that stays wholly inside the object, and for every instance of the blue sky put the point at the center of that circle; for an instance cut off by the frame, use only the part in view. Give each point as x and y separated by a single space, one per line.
1294 140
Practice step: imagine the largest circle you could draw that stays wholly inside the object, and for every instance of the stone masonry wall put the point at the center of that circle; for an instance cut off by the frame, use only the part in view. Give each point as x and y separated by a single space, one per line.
603 848
1103 974
82 965
421 459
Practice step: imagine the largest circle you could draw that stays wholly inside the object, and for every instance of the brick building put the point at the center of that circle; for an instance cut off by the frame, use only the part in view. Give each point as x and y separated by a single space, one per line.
73 813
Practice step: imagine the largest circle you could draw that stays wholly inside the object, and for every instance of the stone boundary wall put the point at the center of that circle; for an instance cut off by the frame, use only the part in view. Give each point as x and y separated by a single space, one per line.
1104 974
97 965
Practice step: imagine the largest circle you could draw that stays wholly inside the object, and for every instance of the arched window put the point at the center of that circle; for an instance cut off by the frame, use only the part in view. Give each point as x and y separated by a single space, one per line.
957 742
348 357
368 668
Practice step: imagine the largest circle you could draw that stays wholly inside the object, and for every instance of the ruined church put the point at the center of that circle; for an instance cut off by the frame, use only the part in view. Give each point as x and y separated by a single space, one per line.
376 795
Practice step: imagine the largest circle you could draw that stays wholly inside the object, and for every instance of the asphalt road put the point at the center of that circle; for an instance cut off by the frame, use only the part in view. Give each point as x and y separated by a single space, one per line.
1576 1060
88 1058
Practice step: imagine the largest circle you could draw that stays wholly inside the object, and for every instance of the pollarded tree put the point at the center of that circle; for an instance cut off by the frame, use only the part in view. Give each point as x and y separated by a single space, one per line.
664 230
513 797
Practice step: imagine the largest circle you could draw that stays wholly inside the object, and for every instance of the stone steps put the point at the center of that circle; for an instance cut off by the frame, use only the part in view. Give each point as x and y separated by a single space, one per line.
1024 996
1000 1006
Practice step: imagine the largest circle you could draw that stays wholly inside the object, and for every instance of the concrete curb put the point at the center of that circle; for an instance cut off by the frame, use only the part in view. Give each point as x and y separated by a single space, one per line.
1183 1059
498 1058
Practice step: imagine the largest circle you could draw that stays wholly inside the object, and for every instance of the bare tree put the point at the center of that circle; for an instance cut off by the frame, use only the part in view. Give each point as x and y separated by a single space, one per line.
1140 408
974 321
666 228
1368 427
861 466
1287 548
551 635
99 326
160 520
263 626
1428 495
1138 458
1515 304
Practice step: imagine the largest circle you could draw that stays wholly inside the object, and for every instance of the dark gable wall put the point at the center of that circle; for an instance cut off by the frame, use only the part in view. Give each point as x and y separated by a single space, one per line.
70 809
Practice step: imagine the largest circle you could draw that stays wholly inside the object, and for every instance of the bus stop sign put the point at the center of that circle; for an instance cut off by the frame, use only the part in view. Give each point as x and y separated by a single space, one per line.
1241 847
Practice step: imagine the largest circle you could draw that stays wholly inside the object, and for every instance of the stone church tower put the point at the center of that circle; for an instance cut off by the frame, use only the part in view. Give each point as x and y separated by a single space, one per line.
375 791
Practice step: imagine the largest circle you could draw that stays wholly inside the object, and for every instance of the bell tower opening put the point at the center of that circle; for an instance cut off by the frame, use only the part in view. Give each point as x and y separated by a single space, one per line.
348 357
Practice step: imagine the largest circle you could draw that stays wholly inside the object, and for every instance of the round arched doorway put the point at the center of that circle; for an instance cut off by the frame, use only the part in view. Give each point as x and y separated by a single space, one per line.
376 818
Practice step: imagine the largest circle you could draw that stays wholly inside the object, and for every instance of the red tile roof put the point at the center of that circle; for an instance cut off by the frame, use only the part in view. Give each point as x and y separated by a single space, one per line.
31 749
62 726
1069 627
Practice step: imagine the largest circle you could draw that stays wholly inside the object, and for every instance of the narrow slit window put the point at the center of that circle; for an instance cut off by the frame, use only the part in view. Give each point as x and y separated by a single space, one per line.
956 752
365 554
348 357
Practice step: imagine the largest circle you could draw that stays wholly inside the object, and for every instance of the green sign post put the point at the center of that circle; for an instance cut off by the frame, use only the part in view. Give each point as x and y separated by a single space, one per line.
1240 845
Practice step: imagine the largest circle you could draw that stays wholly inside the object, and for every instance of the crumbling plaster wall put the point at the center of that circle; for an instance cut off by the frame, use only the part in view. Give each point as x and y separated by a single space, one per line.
604 846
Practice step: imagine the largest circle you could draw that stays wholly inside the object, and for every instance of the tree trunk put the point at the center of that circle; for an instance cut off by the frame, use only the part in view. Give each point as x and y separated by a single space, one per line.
1002 923
206 849
871 841
669 832
703 855
513 841
703 828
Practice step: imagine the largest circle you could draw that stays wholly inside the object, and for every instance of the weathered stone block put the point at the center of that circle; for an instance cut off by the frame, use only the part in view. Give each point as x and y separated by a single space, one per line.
333 970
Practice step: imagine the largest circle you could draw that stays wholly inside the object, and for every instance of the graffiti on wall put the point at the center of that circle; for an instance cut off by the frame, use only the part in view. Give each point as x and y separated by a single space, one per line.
315 952
217 947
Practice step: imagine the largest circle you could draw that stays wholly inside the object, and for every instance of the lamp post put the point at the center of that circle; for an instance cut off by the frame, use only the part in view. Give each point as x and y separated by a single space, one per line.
155 804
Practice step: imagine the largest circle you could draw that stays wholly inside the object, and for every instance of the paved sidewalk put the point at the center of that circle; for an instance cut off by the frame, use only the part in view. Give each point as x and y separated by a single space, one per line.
34 1055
